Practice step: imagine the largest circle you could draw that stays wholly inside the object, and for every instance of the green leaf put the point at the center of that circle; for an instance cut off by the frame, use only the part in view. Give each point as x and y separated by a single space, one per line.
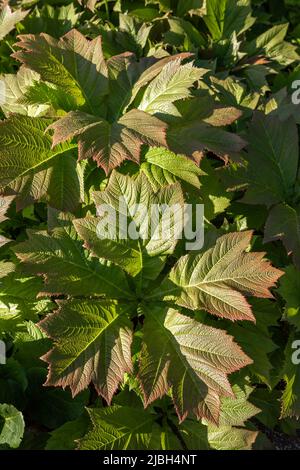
18 301
172 84
67 267
121 428
32 169
92 343
218 279
65 437
248 336
72 63
235 411
227 438
271 43
163 167
289 289
15 88
190 357
132 236
11 426
273 147
225 17
193 7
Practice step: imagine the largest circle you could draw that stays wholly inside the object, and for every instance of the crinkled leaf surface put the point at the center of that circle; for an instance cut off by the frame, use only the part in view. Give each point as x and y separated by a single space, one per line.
181 353
219 279
92 343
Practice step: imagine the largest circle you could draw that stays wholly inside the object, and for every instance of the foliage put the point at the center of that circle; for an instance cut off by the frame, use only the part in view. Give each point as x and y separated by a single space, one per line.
115 342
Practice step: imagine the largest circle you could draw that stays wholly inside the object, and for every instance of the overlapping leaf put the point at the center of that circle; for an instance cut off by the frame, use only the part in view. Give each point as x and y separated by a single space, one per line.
219 279
32 170
191 358
129 231
60 257
92 343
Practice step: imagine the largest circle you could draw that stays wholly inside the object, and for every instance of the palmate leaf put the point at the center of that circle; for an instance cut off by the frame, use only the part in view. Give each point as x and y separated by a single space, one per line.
110 143
218 279
32 170
92 343
9 19
73 63
67 268
192 358
142 252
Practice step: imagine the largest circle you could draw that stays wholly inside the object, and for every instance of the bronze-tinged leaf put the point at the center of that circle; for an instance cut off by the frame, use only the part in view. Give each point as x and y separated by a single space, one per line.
110 144
193 359
72 63
220 279
92 343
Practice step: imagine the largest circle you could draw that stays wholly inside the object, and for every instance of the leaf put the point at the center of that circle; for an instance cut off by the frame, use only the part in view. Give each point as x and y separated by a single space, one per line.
283 223
193 7
9 19
67 268
155 69
172 84
92 343
15 87
72 63
271 44
227 438
289 289
11 426
130 233
57 20
32 170
110 144
121 428
235 411
65 437
18 301
197 129
225 17
273 147
248 336
163 167
218 279
190 357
